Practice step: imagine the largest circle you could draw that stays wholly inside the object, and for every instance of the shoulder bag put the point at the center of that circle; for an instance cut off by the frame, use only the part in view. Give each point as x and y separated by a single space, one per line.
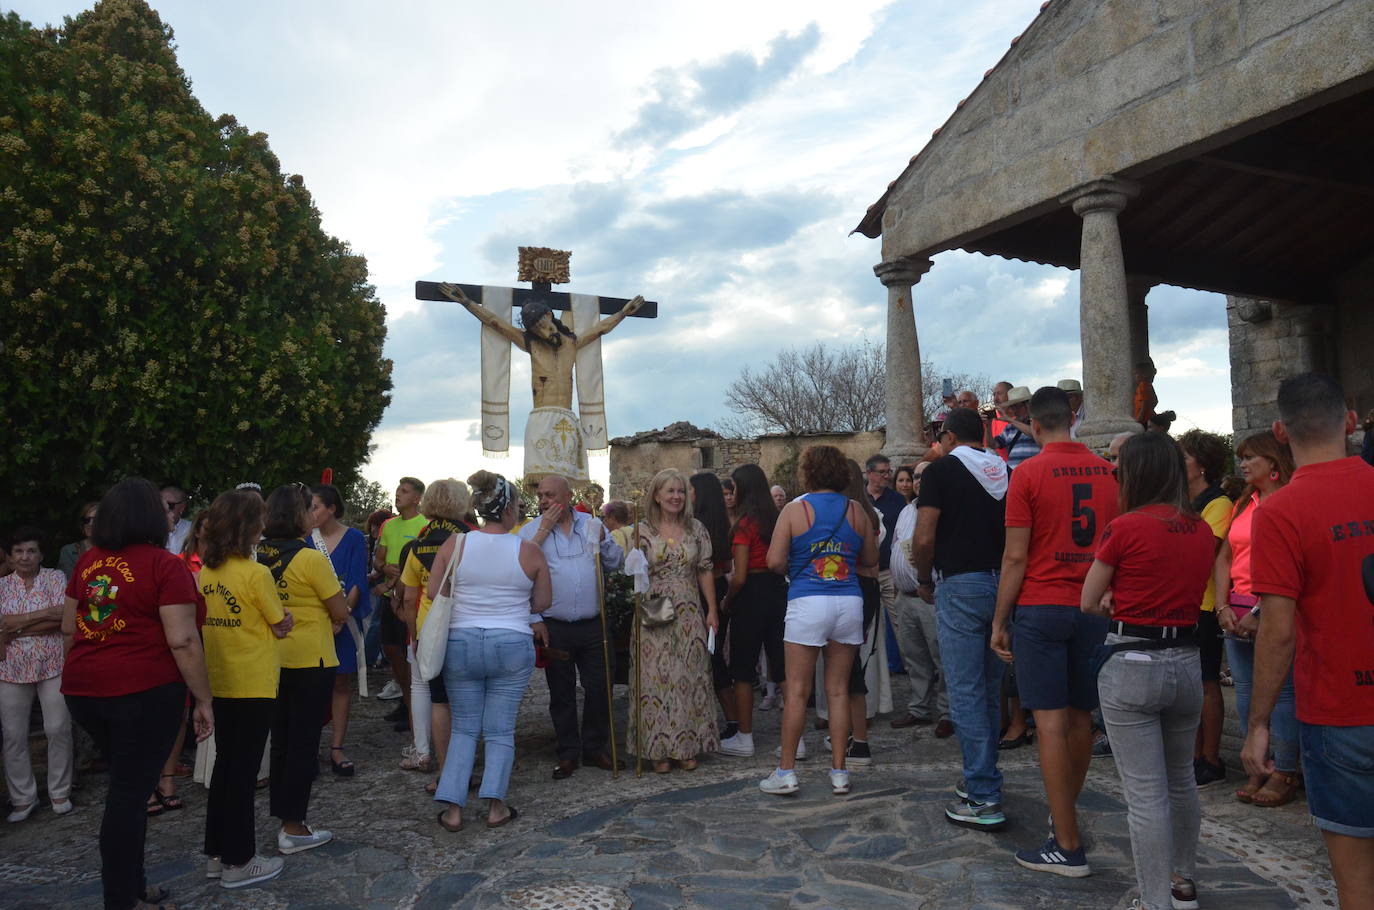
429 650
655 611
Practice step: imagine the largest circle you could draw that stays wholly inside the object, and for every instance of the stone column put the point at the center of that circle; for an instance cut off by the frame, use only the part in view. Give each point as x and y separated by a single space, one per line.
1136 289
905 413
1104 319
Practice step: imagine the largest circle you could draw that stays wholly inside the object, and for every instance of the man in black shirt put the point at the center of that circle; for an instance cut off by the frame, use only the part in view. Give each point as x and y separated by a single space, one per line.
960 531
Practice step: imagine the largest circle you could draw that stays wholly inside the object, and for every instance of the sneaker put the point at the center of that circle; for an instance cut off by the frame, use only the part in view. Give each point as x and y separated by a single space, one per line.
214 867
389 691
839 782
801 750
856 753
1053 858
780 783
295 843
1207 773
18 815
62 806
1183 895
741 744
1101 745
257 869
961 789
973 814
768 703
396 714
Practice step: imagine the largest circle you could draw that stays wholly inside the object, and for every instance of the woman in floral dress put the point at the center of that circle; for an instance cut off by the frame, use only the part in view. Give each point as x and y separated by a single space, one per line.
676 705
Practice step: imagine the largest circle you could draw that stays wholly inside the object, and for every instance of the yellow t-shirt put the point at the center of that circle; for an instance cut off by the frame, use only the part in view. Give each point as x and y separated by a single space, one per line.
240 650
396 532
1217 514
306 584
415 575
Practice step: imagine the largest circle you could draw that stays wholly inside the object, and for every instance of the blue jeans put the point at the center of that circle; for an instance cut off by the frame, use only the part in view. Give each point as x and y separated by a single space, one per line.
1283 722
964 605
485 674
1151 701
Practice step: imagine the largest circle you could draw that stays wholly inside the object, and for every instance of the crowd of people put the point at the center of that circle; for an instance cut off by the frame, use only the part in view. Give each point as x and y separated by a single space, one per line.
1117 588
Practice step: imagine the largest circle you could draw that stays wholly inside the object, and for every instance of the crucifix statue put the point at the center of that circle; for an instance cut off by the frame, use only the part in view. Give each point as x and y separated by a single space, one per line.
556 439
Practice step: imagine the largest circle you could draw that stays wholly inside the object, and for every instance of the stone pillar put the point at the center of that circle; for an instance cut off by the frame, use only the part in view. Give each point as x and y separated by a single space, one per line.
1136 289
1104 319
905 413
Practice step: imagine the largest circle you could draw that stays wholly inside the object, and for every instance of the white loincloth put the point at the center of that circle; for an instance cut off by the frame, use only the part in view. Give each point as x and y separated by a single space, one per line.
553 445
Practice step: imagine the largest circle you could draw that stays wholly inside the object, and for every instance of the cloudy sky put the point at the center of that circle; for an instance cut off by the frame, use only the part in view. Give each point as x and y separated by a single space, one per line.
712 156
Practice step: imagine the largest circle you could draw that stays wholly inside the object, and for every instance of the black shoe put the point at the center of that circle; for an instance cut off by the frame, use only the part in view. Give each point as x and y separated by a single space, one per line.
401 726
1204 772
730 730
397 713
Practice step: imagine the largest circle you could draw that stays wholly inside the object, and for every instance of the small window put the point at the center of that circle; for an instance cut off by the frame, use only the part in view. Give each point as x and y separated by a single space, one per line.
708 457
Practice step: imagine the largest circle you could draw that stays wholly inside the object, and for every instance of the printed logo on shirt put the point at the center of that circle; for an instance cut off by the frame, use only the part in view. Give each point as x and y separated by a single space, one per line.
1349 530
98 620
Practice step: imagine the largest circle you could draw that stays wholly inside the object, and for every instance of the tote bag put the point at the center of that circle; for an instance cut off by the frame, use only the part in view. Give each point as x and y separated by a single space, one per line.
429 651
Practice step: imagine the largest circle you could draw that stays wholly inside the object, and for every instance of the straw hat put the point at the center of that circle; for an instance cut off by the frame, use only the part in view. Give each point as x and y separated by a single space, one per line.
1069 385
1018 395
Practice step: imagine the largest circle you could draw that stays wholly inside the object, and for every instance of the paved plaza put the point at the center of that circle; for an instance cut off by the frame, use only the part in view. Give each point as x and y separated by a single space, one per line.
706 839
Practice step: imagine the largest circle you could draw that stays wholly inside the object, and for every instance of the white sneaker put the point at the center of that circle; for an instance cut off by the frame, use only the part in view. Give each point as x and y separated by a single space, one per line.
214 867
295 843
390 691
18 815
768 702
839 781
62 806
257 869
780 782
801 749
741 744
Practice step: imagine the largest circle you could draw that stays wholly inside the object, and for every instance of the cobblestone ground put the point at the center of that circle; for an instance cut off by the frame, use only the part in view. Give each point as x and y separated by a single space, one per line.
707 838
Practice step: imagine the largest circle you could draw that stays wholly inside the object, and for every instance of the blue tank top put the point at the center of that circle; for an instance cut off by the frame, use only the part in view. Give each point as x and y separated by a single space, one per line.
822 559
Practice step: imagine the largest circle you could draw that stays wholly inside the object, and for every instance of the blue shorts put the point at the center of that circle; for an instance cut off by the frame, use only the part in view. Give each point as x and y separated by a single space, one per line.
1338 764
1054 647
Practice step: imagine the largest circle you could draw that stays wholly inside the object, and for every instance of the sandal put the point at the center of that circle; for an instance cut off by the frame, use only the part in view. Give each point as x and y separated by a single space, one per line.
155 894
155 806
342 768
1252 786
170 802
662 767
446 826
688 764
514 814
1269 797
432 787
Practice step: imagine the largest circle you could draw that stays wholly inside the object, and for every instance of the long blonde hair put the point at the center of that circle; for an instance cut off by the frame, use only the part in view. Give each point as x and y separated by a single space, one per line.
652 511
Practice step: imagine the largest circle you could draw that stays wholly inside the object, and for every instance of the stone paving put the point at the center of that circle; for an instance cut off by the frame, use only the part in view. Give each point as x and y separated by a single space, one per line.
707 839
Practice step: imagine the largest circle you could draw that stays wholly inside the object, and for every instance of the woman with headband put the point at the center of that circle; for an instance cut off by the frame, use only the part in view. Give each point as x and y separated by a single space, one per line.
498 582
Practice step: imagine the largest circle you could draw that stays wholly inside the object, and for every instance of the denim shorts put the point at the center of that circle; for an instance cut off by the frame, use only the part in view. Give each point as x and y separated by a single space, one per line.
1054 648
1338 763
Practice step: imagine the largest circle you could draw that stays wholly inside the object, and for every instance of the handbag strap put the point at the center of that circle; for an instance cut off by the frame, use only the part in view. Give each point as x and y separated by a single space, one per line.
453 564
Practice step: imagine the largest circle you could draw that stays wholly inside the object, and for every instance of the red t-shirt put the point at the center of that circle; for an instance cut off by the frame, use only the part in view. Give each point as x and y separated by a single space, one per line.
1067 496
120 646
1313 540
1162 561
747 534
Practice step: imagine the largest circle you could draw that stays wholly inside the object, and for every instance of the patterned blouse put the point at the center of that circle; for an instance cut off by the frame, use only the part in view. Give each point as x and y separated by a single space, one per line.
32 658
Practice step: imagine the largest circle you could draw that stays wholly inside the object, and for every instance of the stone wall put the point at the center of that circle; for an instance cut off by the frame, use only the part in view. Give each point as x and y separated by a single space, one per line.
634 462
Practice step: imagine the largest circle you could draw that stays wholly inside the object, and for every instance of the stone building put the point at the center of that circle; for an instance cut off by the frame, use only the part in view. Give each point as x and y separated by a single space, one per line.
635 459
1222 145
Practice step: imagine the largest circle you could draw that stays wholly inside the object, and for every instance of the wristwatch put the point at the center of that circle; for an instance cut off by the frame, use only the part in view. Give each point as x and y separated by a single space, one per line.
925 582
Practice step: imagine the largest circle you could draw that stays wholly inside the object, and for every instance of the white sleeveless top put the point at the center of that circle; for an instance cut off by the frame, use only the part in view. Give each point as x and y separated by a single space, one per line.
490 589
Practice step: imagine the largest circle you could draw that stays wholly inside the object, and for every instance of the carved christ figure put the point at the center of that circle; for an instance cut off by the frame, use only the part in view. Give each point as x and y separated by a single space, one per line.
552 346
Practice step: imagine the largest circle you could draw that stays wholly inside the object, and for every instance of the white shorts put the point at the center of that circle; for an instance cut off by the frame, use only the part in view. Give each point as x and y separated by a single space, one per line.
822 618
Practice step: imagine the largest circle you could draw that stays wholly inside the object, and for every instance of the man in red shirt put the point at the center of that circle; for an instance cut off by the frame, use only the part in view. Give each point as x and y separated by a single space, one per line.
1058 504
1313 561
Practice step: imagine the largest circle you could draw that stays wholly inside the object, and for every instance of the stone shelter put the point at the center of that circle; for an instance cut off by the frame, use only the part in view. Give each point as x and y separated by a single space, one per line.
635 459
1222 145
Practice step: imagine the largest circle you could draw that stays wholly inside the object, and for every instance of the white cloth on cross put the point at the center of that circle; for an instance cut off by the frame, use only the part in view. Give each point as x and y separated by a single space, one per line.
496 375
591 392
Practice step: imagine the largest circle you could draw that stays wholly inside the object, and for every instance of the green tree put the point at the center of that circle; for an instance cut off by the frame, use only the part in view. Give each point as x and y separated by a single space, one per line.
170 304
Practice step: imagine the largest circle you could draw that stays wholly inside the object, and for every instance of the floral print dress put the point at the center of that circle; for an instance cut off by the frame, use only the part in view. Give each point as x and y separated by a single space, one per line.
676 706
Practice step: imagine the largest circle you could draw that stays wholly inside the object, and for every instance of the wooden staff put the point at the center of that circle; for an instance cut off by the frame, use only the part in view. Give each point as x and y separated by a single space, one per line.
606 658
639 668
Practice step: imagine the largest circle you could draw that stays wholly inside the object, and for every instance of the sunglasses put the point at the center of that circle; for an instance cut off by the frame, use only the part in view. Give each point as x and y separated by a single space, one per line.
172 505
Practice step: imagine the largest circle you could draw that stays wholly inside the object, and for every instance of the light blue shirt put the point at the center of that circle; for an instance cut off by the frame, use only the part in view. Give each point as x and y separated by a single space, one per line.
572 565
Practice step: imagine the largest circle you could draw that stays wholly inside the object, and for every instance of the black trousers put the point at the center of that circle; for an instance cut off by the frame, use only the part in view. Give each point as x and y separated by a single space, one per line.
297 718
757 616
873 598
241 726
720 671
136 733
582 641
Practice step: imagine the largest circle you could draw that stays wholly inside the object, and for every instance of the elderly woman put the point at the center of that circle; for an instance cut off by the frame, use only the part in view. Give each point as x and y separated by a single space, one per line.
347 551
311 593
672 671
31 665
133 650
444 503
243 620
68 555
497 582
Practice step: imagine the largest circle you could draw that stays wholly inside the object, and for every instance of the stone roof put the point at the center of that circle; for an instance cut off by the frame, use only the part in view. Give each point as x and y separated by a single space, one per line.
681 431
